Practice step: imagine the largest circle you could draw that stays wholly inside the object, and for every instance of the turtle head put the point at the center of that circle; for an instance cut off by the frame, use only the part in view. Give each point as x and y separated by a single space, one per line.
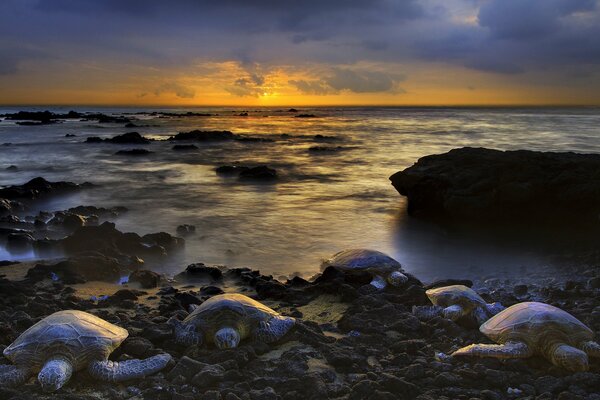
397 278
570 358
55 373
227 338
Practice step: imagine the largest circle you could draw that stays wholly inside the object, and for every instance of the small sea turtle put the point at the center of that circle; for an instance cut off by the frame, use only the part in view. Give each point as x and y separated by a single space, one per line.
457 301
532 328
384 269
69 341
226 319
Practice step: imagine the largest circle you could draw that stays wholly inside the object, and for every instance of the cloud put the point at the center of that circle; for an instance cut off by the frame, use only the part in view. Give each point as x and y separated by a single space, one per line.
314 87
526 19
362 81
346 79
175 88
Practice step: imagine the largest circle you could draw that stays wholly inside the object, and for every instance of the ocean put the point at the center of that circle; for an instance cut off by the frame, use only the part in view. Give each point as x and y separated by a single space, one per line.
322 202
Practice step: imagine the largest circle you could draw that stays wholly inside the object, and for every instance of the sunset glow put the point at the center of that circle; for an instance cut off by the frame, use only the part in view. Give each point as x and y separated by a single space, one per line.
411 52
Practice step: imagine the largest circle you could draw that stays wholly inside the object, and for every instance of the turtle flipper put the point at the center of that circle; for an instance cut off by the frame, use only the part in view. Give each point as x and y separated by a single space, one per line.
568 357
507 350
453 312
273 329
425 313
11 375
591 348
185 334
112 371
378 282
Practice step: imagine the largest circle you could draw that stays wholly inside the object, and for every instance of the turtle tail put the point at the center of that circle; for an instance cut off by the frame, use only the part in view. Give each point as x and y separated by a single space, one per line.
11 376
274 329
112 371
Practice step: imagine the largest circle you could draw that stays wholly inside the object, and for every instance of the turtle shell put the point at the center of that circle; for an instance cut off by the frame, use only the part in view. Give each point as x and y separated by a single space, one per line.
455 294
77 335
229 310
536 324
363 259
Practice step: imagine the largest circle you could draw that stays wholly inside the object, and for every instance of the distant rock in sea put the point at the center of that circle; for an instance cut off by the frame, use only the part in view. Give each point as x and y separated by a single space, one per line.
185 147
478 184
133 152
204 136
126 138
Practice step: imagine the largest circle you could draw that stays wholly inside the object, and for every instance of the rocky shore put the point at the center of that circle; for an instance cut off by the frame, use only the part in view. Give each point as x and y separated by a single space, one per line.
351 341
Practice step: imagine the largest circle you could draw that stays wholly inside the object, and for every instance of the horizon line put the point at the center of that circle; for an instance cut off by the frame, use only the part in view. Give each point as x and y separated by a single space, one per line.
500 105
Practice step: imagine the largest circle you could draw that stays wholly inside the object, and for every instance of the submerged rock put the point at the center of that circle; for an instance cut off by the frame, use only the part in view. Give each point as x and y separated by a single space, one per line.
262 173
126 138
185 147
480 184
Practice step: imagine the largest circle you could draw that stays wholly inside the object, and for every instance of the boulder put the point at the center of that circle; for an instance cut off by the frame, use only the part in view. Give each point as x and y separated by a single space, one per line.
185 229
146 279
79 269
478 184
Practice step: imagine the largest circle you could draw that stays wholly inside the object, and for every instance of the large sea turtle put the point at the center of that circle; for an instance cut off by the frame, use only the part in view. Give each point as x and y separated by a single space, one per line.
532 328
457 301
383 268
226 319
69 341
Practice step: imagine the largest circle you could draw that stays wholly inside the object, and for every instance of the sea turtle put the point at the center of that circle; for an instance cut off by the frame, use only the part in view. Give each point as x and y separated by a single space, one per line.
457 301
532 328
69 341
384 269
227 318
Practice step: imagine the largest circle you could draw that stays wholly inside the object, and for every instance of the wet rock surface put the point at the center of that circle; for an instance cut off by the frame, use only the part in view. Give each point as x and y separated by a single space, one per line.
490 185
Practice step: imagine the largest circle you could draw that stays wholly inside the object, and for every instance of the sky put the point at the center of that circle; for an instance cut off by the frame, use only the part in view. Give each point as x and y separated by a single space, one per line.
310 52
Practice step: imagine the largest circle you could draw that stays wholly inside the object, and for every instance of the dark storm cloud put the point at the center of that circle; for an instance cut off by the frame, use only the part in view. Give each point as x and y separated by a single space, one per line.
505 37
513 36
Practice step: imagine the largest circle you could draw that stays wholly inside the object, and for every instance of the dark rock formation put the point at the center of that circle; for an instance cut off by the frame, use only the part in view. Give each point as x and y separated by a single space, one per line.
185 147
230 169
305 116
38 187
262 173
133 152
477 184
79 269
186 229
204 136
146 279
200 271
126 138
109 241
